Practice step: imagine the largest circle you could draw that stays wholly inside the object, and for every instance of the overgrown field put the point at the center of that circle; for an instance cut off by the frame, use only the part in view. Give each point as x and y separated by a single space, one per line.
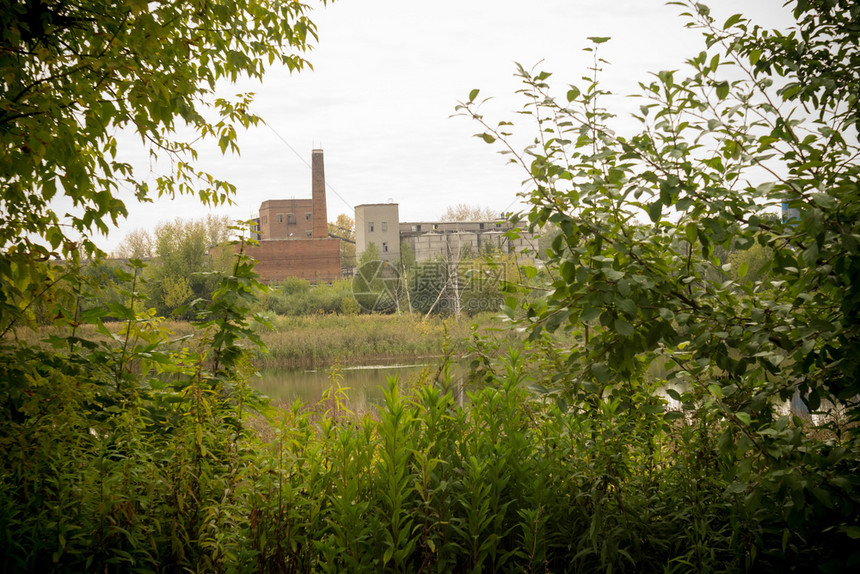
322 340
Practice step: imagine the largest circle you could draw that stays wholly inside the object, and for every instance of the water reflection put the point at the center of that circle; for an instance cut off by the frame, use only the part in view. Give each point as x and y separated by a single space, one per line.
365 384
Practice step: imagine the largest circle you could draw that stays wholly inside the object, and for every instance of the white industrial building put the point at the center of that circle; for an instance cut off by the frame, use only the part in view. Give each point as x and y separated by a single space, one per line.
379 223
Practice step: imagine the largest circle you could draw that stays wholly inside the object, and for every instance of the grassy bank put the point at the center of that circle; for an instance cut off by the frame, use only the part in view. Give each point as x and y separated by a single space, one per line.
319 341
322 340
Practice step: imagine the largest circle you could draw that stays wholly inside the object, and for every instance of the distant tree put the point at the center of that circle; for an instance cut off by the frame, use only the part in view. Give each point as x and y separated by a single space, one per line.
407 256
344 229
137 244
464 212
370 253
182 254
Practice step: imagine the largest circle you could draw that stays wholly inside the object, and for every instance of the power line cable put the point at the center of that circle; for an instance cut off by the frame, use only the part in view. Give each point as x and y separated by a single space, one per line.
304 161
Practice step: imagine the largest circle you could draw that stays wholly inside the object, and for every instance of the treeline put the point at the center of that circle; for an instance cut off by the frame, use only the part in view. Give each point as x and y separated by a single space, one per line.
170 269
183 258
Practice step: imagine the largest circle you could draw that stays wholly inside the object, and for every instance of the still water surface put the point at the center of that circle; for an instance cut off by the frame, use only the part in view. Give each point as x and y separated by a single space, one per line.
366 384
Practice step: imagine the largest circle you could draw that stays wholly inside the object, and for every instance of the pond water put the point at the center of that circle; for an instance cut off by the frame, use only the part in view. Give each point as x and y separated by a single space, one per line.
365 384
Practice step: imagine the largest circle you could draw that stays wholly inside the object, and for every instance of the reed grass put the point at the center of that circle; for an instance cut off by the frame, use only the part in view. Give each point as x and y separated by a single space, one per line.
323 340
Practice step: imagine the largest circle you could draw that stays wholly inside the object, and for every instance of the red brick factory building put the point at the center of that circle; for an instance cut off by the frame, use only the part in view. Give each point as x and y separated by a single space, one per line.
294 239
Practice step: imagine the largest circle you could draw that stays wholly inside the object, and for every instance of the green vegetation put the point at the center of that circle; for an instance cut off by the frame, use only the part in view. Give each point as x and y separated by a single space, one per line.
714 160
323 340
297 297
133 449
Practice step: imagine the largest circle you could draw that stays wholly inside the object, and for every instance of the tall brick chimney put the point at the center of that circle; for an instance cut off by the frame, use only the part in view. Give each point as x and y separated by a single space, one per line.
320 221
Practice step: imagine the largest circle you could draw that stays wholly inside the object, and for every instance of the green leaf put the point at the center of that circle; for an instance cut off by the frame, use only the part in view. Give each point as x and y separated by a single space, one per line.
626 305
473 94
824 200
599 39
851 531
731 21
623 328
589 314
755 56
601 372
691 231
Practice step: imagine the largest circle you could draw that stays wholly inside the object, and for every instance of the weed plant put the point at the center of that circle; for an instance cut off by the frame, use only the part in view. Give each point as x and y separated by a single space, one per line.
157 469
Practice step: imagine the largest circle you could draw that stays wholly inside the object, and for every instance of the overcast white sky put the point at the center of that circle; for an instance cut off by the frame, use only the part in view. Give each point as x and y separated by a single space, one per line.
387 75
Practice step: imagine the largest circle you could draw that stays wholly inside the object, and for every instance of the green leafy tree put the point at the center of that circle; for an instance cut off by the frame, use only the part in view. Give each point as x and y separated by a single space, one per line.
137 244
636 280
186 252
370 254
344 229
73 74
115 447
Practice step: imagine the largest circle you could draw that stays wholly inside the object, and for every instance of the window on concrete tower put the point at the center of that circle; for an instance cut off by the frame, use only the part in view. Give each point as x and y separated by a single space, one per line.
384 246
370 227
384 226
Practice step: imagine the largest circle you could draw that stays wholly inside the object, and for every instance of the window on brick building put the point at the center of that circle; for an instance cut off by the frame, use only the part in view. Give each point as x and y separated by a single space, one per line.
309 234
308 216
280 218
265 219
291 218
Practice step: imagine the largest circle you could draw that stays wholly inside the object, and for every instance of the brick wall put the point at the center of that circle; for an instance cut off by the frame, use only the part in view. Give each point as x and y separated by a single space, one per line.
285 218
320 222
317 260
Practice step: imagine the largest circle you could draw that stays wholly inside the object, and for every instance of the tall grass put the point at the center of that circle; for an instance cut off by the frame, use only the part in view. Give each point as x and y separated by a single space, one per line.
510 482
322 340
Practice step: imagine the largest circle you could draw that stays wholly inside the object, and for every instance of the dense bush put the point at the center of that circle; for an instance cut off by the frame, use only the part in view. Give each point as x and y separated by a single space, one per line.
750 150
294 297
